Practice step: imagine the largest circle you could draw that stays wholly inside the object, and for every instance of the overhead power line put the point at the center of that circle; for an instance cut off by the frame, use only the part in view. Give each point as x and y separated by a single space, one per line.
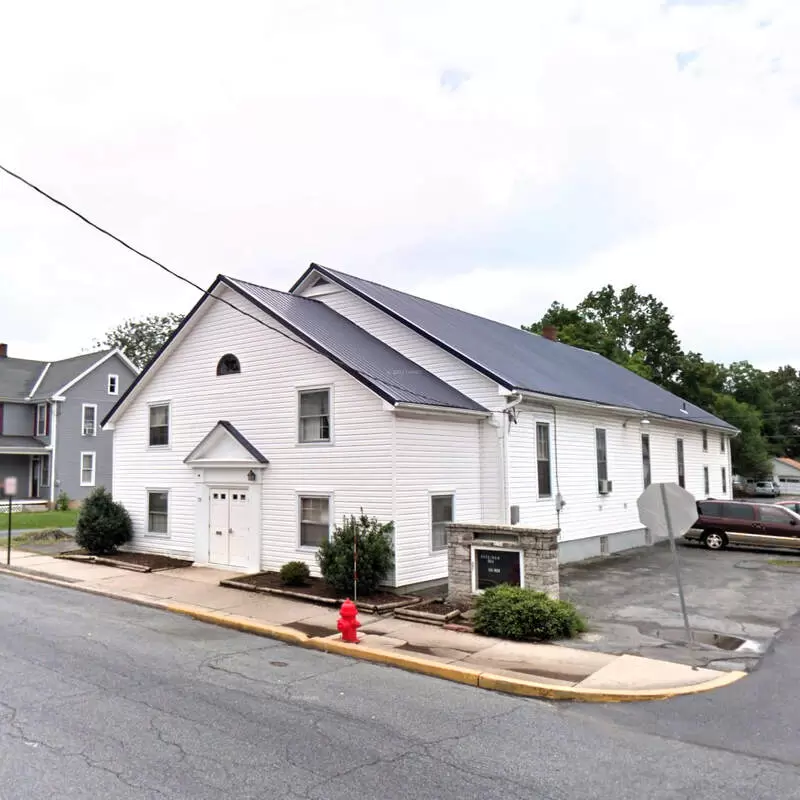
189 282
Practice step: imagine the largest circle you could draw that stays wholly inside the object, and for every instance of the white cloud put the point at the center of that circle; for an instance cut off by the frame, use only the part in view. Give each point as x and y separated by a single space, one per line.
256 139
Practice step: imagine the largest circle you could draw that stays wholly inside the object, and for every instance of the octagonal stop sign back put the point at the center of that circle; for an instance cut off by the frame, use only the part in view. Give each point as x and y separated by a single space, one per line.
667 505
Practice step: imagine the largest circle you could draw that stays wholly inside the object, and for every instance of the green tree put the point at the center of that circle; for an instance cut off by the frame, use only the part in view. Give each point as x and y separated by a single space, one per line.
141 338
700 381
749 452
783 425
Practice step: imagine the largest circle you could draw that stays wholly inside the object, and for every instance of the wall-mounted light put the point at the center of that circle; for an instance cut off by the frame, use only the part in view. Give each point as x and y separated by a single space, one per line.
644 421
251 476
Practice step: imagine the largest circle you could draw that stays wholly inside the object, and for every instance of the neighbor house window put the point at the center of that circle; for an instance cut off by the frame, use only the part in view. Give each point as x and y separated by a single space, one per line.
602 455
706 486
228 365
41 419
315 421
681 468
159 425
158 512
89 421
722 443
705 441
113 384
87 469
543 458
724 480
314 520
44 480
646 473
441 514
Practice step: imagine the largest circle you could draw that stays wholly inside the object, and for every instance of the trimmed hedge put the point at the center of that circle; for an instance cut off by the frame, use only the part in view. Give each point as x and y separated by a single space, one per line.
511 612
295 573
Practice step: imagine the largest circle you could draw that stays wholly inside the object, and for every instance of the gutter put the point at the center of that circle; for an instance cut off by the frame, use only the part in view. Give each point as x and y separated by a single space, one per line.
445 410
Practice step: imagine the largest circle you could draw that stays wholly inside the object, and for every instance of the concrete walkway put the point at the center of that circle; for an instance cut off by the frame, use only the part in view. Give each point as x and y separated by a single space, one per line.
541 670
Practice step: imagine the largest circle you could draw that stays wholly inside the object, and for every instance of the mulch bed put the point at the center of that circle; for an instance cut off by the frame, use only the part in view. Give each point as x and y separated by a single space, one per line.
436 612
137 562
317 591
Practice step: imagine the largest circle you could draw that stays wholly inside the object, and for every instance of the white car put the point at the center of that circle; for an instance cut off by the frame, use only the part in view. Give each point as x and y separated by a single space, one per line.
764 489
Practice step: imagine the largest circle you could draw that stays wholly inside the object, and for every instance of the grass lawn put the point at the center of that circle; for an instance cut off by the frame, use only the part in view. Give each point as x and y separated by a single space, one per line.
25 520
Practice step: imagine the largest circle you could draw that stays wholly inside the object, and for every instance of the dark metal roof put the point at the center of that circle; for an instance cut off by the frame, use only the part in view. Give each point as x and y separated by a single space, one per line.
390 374
10 443
62 372
520 360
18 376
238 435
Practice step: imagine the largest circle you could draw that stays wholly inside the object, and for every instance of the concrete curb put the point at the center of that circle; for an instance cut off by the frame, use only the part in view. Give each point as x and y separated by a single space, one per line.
450 672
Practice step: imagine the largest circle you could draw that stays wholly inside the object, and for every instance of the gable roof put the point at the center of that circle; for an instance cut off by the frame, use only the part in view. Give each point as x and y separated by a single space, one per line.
18 377
789 462
235 434
392 376
519 360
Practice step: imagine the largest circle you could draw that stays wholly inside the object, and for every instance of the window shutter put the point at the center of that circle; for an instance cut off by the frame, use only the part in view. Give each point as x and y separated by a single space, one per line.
47 420
1 419
35 419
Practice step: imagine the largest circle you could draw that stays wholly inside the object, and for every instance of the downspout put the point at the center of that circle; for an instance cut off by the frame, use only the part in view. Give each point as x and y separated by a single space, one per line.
503 432
53 447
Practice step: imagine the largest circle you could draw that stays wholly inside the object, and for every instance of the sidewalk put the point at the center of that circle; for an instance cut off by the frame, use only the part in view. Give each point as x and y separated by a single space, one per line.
536 670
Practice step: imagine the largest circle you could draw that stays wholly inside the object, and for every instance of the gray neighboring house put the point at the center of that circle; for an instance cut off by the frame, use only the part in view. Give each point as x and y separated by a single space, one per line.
50 413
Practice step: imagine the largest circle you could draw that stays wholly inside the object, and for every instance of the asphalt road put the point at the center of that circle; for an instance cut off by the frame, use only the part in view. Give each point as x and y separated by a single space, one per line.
103 699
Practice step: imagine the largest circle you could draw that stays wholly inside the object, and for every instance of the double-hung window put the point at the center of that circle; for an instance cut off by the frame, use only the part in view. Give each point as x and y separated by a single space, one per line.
87 469
543 471
646 469
441 514
315 520
159 425
315 416
706 482
602 457
41 419
158 512
113 384
681 466
89 420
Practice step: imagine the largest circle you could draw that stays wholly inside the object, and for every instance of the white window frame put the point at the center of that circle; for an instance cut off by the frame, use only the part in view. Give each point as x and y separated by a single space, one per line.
536 424
704 435
451 493
597 460
93 454
84 406
156 534
44 474
41 419
706 481
160 404
115 378
301 390
680 460
299 497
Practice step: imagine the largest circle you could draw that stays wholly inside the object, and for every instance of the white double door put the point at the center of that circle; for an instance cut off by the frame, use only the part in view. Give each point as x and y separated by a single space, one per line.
229 529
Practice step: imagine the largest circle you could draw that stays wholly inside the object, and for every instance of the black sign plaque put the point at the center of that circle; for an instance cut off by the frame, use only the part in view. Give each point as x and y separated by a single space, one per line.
496 567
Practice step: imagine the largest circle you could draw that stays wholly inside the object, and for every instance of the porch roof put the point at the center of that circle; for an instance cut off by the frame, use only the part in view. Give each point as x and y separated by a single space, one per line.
22 445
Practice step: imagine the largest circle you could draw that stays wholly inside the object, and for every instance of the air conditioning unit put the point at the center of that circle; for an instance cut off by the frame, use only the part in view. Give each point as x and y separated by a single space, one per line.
605 487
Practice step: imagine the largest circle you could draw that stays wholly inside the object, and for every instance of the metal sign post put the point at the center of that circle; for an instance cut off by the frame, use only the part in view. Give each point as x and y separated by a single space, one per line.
10 488
668 510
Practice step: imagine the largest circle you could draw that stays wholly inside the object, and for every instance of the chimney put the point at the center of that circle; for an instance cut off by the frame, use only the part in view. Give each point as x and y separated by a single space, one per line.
3 350
550 332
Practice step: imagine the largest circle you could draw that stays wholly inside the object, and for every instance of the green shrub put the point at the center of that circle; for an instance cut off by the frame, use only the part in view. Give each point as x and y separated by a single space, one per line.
375 554
295 573
62 502
511 612
103 525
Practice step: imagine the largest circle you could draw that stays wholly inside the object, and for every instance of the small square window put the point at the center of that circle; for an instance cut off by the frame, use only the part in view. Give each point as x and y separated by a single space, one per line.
315 420
158 512
441 514
159 425
113 384
314 521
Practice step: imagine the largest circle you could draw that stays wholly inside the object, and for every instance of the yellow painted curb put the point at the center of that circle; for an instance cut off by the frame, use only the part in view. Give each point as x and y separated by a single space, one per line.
244 624
435 669
500 683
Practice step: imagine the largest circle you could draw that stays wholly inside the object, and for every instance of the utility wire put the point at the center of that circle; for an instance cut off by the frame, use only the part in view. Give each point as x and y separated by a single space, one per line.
199 288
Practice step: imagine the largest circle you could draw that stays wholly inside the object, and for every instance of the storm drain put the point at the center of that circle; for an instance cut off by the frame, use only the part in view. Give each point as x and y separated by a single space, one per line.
720 641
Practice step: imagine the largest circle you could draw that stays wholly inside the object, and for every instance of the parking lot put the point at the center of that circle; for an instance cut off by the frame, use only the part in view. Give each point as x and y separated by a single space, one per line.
737 601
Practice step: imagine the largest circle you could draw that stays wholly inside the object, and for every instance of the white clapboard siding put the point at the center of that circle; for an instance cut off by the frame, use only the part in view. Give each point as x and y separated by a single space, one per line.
587 513
433 459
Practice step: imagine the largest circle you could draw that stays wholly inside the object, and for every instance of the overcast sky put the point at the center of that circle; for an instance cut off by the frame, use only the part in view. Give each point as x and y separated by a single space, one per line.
495 156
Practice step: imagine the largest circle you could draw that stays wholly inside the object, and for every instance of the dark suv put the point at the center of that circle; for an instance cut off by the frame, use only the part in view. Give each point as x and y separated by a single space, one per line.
723 522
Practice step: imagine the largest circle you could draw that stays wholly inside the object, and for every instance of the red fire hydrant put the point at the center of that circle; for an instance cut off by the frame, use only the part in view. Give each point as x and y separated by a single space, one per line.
348 623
